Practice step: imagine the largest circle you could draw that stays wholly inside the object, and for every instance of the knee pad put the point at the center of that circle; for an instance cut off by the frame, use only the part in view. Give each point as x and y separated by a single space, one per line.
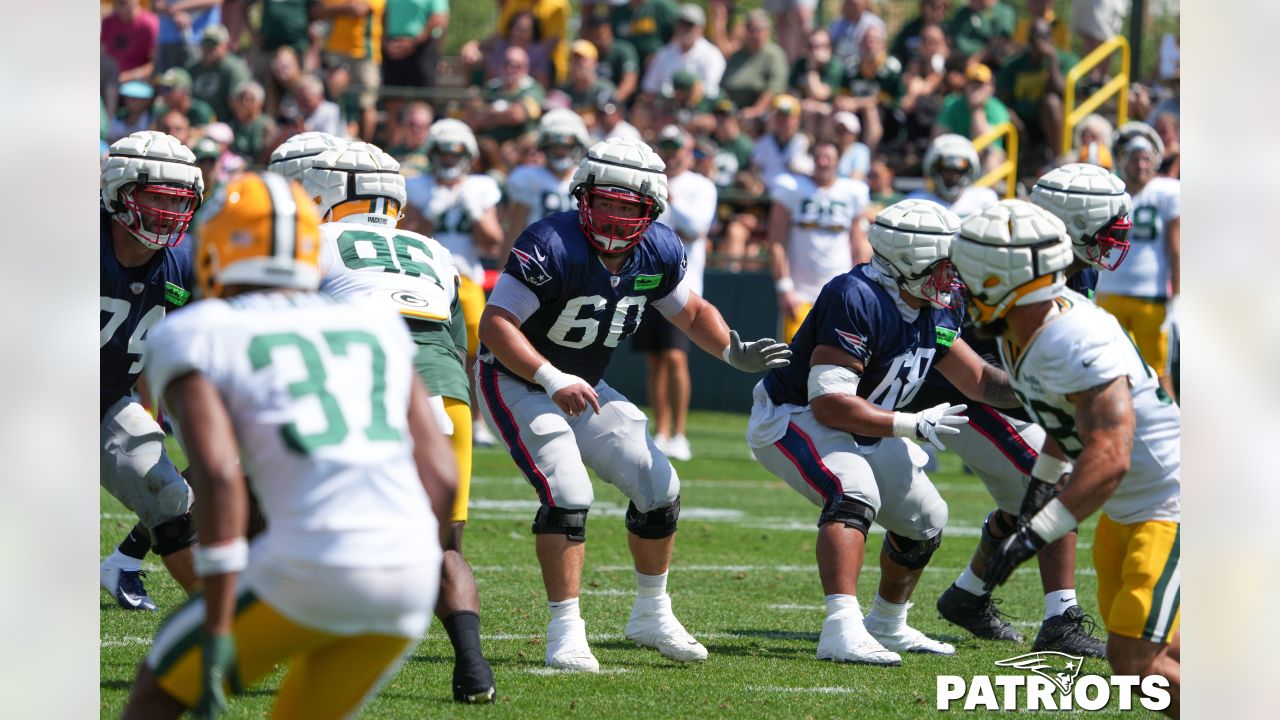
1003 522
656 524
172 535
852 513
911 554
570 523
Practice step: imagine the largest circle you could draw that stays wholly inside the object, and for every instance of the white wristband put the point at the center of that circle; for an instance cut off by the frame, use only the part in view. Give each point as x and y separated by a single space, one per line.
1053 521
904 424
228 557
1050 469
553 380
785 284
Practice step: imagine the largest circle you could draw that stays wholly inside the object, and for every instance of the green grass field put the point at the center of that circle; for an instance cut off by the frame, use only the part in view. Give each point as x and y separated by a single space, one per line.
743 581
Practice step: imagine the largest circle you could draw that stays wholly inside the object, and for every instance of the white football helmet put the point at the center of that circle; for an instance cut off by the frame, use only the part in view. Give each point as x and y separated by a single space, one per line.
451 137
563 139
296 154
152 186
1012 253
1092 204
359 183
621 169
951 165
912 241
1135 135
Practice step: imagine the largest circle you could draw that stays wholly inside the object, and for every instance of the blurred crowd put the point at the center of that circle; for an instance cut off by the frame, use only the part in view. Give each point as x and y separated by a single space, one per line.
755 91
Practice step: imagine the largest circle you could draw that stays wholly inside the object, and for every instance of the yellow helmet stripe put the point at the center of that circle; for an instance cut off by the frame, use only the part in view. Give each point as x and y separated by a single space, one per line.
284 217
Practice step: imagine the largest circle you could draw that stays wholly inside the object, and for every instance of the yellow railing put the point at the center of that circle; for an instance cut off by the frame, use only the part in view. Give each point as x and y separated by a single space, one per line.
1118 86
1007 170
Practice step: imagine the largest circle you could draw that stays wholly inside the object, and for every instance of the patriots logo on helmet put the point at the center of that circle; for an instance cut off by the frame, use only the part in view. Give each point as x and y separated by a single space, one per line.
1059 668
855 344
531 267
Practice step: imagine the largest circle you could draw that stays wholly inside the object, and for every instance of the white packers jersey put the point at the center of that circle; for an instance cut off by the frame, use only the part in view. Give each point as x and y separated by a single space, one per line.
972 200
539 190
1145 270
454 210
318 392
408 272
818 248
1083 347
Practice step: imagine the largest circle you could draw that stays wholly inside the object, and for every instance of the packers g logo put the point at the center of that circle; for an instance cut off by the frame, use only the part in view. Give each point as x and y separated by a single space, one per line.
408 299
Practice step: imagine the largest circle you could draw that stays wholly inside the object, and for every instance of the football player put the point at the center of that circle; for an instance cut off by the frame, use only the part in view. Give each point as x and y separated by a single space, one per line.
575 286
536 191
829 425
951 167
1002 448
293 156
320 399
151 187
1146 288
459 209
362 255
1113 431
815 232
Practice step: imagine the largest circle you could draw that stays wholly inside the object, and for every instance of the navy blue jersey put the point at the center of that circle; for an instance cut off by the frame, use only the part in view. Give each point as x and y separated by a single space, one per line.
585 311
938 389
132 301
855 314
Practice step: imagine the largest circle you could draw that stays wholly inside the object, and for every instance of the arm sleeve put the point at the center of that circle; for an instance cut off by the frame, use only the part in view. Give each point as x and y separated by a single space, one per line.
673 302
513 296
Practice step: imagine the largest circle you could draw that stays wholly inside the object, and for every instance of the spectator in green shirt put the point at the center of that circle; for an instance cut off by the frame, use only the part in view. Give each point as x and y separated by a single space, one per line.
817 74
174 87
217 72
983 27
1032 84
412 32
646 24
619 62
874 85
508 108
411 147
757 71
585 84
973 111
253 129
906 44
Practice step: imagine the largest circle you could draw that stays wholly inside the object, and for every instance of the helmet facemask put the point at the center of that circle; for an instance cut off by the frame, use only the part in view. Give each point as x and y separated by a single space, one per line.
1109 246
951 175
562 154
157 214
449 161
939 284
609 233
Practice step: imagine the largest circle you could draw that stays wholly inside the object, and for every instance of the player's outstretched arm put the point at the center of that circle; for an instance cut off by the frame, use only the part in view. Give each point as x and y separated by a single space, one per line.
437 467
976 378
500 333
705 326
221 511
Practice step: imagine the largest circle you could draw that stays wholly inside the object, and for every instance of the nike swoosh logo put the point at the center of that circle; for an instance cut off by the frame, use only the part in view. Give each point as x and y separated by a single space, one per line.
131 599
1087 364
537 252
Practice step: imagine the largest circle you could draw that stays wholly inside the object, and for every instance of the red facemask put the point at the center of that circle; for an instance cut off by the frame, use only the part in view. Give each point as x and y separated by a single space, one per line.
154 225
943 287
622 233
1110 244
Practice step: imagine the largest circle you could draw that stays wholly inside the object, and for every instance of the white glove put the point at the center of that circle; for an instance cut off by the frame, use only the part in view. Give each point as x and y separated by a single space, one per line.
758 356
929 424
1170 315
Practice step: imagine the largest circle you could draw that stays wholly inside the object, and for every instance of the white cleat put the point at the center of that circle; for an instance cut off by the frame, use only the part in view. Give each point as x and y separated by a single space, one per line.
896 634
662 442
844 639
481 437
652 624
567 647
678 448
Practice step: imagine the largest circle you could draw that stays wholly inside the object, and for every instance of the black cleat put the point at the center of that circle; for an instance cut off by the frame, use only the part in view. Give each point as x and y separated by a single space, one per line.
473 680
1067 633
975 613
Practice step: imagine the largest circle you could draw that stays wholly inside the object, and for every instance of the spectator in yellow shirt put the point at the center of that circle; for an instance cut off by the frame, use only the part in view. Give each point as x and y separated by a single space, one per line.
355 39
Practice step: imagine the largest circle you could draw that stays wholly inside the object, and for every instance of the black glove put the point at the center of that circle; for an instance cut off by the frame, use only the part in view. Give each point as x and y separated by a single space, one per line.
1039 493
1016 549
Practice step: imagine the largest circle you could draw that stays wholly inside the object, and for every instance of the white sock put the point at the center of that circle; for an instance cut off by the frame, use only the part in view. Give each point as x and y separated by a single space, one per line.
564 609
1058 602
651 586
885 609
843 603
123 562
971 583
